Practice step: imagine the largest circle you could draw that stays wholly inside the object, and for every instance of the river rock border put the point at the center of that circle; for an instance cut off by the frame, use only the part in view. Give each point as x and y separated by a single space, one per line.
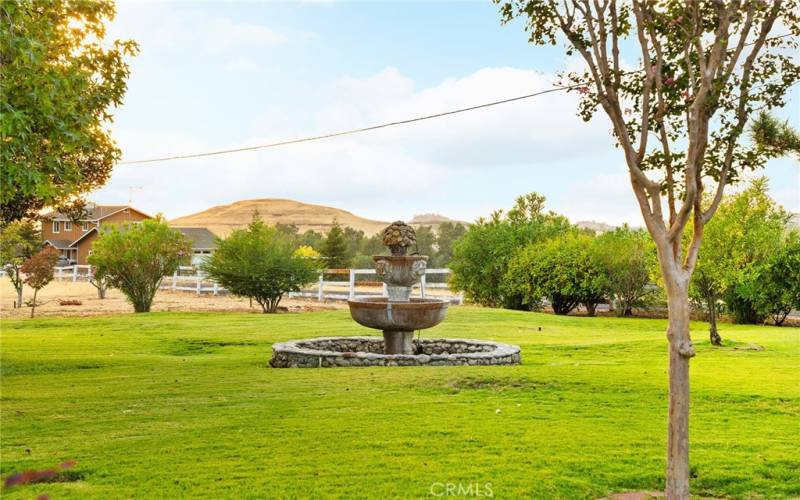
325 352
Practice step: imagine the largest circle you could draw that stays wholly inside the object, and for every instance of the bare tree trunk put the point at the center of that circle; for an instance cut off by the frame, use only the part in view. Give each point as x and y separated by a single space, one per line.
591 308
714 335
33 305
680 351
19 298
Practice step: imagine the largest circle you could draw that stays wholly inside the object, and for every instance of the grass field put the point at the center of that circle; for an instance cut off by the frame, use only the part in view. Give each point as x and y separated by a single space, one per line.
184 405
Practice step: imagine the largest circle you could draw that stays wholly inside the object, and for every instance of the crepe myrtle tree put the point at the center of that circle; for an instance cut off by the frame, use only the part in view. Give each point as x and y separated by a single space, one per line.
677 114
19 240
38 271
135 257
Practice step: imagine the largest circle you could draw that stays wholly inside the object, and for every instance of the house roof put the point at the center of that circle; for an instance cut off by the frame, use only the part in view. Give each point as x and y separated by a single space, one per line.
96 212
84 235
200 237
59 244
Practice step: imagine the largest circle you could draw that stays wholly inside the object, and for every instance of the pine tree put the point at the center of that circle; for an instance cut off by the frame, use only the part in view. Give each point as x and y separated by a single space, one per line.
335 249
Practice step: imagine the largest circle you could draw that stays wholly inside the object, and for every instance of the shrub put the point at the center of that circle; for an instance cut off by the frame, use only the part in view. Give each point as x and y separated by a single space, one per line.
481 256
135 258
38 271
563 270
627 256
262 264
779 281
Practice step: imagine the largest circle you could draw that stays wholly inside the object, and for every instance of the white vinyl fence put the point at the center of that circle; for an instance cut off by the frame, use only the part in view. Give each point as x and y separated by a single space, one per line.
191 279
355 288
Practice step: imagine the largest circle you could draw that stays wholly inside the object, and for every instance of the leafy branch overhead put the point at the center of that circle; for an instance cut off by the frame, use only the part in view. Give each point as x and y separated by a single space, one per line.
679 113
60 82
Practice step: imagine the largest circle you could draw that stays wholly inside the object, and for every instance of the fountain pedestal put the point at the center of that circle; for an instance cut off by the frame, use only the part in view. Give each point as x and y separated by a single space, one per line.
398 315
398 342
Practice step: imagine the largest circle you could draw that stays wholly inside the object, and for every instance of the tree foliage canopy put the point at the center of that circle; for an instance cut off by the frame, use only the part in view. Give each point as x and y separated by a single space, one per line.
135 257
261 263
564 270
38 270
481 256
60 81
19 240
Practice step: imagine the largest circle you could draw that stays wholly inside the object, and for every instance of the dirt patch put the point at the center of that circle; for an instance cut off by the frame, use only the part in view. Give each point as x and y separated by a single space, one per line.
191 347
115 302
636 495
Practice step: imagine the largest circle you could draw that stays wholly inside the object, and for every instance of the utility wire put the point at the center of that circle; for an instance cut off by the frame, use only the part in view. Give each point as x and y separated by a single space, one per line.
353 131
367 129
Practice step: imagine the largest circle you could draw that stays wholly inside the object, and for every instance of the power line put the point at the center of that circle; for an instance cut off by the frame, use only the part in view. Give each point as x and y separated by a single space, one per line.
367 129
350 132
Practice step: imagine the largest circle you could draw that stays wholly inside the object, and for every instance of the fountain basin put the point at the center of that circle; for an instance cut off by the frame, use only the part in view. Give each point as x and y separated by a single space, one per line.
326 352
378 312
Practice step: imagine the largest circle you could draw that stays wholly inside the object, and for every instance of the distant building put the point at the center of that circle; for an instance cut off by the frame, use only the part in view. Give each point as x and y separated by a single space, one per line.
74 239
203 242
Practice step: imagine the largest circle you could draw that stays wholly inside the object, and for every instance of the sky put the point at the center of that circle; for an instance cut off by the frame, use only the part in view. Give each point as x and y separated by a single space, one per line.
218 75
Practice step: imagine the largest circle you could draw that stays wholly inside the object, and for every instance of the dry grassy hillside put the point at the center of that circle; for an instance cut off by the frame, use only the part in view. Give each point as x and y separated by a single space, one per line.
222 219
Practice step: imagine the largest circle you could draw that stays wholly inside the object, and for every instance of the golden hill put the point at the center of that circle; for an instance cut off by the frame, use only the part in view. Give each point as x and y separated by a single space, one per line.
222 219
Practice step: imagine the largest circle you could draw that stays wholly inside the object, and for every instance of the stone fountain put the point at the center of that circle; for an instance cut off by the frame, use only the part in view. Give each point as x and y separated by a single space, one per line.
398 316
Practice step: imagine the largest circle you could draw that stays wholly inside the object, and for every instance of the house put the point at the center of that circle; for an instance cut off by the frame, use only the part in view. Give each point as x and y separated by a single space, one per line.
74 238
203 242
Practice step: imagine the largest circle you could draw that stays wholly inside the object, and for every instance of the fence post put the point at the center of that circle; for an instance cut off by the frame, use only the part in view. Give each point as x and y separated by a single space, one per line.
422 287
60 274
198 283
174 279
74 273
352 283
215 288
385 290
320 292
89 273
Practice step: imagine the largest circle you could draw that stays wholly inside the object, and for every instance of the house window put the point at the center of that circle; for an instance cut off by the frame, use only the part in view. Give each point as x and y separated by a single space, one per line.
56 226
67 225
85 226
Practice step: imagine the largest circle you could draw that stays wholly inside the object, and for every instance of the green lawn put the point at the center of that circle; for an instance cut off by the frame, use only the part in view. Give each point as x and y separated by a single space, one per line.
171 405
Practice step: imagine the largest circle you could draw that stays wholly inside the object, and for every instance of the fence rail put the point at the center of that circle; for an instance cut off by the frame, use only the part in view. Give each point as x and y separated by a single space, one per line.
191 279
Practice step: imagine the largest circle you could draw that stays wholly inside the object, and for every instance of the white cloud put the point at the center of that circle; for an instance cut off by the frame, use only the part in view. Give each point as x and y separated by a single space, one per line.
162 27
241 65
387 173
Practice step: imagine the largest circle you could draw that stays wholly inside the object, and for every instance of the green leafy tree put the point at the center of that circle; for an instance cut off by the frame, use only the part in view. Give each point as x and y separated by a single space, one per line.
336 250
354 238
135 257
260 263
426 241
60 81
38 270
703 69
740 240
627 255
565 271
779 280
19 240
312 239
446 237
481 255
